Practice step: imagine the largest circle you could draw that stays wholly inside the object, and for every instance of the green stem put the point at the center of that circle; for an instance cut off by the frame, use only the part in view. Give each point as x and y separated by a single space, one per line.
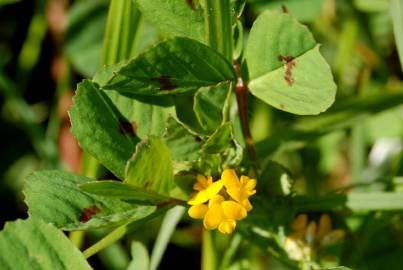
230 252
217 15
108 240
209 260
122 27
241 92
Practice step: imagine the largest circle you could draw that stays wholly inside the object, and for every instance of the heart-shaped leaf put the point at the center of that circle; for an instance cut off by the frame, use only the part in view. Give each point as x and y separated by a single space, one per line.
286 69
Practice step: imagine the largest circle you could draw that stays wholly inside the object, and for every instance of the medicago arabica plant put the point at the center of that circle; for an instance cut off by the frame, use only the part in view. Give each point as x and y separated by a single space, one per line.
164 124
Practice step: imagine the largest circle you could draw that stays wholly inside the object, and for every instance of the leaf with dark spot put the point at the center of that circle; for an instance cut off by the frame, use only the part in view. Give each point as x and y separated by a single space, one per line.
284 9
89 212
191 4
127 128
165 82
289 64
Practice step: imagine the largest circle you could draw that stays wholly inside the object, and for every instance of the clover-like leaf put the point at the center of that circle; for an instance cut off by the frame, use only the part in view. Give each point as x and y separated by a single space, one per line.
286 69
55 196
101 129
175 18
34 244
178 65
150 168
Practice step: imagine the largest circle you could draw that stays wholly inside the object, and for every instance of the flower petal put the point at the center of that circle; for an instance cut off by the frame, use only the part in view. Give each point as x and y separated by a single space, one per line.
217 199
198 211
227 226
230 179
250 185
199 198
311 233
333 237
213 217
325 226
233 210
248 206
214 188
299 224
236 194
202 182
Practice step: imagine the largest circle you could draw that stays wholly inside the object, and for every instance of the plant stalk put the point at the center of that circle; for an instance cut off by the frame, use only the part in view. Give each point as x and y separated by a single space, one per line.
108 240
217 15
241 92
209 260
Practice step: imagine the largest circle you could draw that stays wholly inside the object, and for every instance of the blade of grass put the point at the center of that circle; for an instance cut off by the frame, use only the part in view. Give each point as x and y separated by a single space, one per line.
171 219
396 9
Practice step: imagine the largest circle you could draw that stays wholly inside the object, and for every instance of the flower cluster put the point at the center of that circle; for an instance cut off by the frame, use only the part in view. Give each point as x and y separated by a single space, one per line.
308 237
222 203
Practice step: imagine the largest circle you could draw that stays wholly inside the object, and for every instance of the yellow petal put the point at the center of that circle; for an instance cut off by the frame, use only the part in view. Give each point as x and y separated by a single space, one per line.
333 237
202 182
310 233
199 198
251 184
213 217
325 226
233 210
198 211
246 203
300 222
230 179
236 194
214 188
227 226
217 199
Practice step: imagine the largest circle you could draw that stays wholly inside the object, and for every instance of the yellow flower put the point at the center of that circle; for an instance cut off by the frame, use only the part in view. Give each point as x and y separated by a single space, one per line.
309 236
206 188
239 190
224 207
223 214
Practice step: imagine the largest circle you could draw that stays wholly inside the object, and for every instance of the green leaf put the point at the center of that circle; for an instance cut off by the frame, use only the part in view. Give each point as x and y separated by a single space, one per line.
178 65
337 268
148 114
7 2
286 69
141 259
100 128
219 140
84 36
303 10
341 116
396 8
55 197
208 105
183 145
150 168
150 119
175 18
386 201
34 244
119 190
